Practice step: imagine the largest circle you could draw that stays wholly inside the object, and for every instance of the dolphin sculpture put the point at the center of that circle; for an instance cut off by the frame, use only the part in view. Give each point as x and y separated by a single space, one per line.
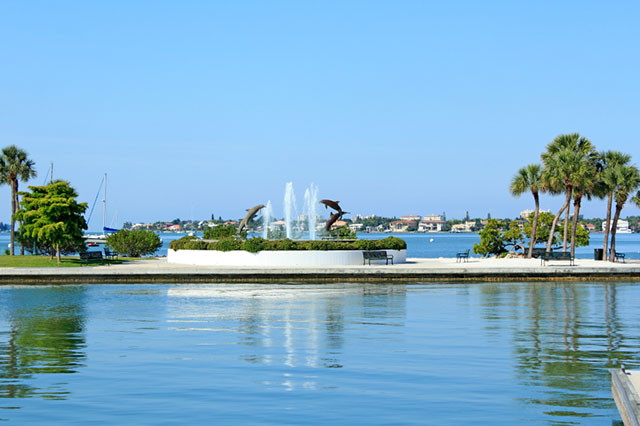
251 213
332 219
333 204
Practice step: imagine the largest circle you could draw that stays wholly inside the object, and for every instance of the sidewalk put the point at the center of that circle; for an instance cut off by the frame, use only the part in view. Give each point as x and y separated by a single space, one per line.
415 270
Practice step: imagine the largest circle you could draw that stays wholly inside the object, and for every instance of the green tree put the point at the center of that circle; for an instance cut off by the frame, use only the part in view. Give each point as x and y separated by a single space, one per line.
627 182
140 242
491 241
512 236
563 162
51 216
529 178
610 162
219 232
15 166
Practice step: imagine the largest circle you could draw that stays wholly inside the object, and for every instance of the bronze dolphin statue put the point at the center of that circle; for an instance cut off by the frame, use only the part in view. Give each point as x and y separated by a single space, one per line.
333 204
333 219
251 213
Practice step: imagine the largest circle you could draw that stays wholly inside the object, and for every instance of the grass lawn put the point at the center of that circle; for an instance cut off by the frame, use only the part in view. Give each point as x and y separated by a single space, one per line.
44 261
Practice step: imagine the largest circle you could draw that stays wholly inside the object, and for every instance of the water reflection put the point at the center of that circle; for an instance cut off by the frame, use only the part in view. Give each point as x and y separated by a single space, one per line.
41 333
565 337
291 325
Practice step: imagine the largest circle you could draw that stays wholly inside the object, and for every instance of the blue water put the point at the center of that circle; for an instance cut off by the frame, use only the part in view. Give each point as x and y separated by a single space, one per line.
439 245
483 353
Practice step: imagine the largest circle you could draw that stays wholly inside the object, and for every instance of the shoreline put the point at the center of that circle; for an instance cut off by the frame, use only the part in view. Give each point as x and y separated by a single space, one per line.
159 271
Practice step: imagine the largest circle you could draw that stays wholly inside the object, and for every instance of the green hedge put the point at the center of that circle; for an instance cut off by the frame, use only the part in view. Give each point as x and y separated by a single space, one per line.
254 245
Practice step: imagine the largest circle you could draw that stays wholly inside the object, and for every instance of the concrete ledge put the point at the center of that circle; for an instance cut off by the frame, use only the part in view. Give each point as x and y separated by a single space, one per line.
283 258
415 270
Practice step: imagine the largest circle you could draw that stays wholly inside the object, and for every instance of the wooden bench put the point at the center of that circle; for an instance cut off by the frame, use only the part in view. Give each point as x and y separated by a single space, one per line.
88 256
110 254
560 255
619 256
463 256
376 255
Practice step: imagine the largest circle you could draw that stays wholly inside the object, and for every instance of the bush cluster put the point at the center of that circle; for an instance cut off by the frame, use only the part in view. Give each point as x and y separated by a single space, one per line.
140 242
254 245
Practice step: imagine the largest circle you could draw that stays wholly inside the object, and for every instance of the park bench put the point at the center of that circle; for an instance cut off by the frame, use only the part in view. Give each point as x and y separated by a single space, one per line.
538 251
110 254
463 256
560 255
89 256
619 256
376 255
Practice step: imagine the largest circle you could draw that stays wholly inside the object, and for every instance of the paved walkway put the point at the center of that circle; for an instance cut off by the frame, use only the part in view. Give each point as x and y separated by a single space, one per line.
442 269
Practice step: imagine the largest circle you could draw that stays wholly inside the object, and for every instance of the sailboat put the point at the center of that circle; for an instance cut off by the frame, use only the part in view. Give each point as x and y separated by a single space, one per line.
93 240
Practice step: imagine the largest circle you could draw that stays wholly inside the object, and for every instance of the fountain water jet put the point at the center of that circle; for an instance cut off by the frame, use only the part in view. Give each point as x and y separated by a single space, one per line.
289 209
310 203
267 215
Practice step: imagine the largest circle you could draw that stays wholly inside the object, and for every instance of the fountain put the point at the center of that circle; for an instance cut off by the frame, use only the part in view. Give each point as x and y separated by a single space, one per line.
290 209
267 216
310 204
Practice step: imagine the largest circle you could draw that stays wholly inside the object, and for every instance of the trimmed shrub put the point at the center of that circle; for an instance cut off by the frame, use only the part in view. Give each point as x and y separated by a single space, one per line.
257 244
254 245
228 244
181 242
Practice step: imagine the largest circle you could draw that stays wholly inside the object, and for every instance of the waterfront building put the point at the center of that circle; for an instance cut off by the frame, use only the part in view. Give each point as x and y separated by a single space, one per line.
401 225
411 218
622 228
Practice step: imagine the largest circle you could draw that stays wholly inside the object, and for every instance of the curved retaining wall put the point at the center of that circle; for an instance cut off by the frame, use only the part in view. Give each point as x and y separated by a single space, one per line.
276 258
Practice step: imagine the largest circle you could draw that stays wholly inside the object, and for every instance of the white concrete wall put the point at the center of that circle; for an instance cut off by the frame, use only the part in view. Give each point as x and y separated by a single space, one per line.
276 258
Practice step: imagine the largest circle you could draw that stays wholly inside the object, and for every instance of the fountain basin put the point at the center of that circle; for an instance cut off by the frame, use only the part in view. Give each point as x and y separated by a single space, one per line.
276 258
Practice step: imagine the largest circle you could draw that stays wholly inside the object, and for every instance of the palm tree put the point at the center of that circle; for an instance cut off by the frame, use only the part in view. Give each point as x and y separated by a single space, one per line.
610 160
14 167
628 180
562 160
529 178
584 186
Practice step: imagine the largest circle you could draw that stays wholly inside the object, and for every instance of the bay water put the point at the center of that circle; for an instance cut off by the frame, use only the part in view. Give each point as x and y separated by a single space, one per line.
437 353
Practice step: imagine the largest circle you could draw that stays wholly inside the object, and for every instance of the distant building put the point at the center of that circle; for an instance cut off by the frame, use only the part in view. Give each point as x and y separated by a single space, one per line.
433 218
622 228
356 227
411 218
401 225
463 227
590 227
430 225
524 214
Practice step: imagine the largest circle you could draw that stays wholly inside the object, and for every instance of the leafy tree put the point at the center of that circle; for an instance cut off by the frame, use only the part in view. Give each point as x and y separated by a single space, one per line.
52 217
139 242
343 233
219 232
512 236
545 220
491 241
529 178
14 167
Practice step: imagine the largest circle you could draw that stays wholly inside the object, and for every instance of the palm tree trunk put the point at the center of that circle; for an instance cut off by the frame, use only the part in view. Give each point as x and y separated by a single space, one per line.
51 252
14 190
614 226
58 252
607 226
555 221
534 225
565 233
19 223
574 223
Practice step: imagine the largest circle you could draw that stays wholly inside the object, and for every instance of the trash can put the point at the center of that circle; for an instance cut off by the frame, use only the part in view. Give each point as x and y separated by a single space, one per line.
597 254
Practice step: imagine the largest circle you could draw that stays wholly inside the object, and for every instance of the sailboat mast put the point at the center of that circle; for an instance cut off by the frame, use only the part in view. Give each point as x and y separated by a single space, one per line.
104 205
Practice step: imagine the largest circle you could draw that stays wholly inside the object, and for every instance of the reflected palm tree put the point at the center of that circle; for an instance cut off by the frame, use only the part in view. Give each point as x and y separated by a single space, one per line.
46 336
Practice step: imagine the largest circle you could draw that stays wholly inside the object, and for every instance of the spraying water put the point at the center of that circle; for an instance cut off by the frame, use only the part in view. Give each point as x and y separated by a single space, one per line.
289 209
267 215
310 203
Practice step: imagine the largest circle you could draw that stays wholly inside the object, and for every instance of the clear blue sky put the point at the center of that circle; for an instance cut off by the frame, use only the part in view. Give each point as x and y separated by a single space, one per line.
409 107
